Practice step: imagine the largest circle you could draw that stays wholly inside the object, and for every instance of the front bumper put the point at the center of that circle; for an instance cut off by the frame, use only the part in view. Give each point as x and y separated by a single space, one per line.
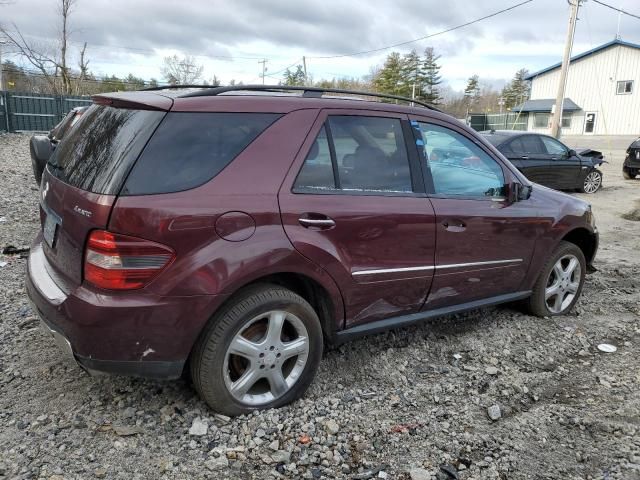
134 333
632 160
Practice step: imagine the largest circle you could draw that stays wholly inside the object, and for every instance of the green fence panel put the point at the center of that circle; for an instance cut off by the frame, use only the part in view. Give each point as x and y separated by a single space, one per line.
34 112
499 121
3 113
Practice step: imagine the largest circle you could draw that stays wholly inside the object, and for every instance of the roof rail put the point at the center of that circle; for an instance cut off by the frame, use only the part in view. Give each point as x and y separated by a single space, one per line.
169 87
312 92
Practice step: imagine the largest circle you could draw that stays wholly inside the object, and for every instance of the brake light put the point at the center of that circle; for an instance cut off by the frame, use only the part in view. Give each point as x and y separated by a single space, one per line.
120 262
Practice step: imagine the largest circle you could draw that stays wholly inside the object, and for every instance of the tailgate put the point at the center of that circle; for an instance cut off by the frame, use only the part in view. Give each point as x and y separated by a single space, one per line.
67 215
83 178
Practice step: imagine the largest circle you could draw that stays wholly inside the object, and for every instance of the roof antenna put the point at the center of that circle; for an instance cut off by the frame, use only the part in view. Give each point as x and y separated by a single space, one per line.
618 29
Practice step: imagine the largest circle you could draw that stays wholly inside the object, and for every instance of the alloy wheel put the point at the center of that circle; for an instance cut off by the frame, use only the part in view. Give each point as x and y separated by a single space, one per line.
266 358
563 283
592 182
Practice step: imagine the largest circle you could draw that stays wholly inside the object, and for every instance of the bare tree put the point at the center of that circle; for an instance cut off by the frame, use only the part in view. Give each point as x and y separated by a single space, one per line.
65 10
84 69
50 61
181 71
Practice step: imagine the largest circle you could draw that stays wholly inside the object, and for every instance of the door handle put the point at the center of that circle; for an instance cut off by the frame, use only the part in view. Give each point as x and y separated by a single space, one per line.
525 157
454 225
319 223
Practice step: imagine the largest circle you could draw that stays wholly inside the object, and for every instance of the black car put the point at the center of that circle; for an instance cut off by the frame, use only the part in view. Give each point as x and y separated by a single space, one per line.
545 160
42 146
631 166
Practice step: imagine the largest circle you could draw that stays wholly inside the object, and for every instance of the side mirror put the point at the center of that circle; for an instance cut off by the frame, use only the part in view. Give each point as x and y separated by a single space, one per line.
524 192
517 192
571 153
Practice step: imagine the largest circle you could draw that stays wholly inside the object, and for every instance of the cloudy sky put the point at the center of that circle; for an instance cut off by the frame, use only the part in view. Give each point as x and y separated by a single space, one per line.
229 37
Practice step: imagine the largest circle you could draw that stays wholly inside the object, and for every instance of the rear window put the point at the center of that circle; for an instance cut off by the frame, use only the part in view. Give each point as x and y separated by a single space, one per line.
98 152
189 149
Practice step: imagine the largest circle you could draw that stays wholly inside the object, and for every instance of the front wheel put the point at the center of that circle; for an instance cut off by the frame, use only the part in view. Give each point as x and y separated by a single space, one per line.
628 174
262 351
560 282
592 182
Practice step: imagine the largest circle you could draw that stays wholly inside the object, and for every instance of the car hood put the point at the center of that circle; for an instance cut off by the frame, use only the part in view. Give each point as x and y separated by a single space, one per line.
575 205
588 155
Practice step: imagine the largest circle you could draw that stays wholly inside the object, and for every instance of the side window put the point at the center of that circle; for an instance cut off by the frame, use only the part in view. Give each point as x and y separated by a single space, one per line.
189 149
317 170
553 146
516 146
369 155
458 166
531 144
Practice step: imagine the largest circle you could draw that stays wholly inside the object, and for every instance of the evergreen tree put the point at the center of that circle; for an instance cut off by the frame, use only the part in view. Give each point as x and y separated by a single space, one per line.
431 77
472 92
411 75
390 78
517 91
295 78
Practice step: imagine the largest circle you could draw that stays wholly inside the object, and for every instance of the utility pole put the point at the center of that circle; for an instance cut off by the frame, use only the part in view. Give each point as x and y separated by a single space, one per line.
415 81
571 30
264 68
304 65
1 82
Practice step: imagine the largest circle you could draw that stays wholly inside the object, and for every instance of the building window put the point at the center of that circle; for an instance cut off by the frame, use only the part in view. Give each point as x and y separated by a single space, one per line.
540 120
625 87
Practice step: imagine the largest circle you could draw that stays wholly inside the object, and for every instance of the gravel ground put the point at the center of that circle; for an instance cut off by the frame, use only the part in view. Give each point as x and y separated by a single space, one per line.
410 404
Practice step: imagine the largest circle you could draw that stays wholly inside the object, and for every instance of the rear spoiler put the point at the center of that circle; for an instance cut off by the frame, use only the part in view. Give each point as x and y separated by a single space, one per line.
134 100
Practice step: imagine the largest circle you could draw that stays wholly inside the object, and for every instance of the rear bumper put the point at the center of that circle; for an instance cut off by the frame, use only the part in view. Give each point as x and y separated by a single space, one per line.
124 333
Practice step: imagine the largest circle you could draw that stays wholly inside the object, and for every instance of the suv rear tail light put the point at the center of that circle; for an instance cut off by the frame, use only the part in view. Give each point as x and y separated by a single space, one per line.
119 262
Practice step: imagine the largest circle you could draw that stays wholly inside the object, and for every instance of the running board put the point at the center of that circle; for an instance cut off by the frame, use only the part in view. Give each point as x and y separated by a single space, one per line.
413 318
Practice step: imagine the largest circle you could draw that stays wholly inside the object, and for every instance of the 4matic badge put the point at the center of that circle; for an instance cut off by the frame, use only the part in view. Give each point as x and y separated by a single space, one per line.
81 211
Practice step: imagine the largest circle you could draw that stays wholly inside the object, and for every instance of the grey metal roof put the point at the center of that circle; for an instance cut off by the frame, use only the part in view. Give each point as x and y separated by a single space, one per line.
544 105
604 46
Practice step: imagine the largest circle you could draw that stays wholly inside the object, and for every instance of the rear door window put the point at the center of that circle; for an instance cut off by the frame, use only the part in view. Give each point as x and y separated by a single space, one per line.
189 149
532 144
98 152
357 154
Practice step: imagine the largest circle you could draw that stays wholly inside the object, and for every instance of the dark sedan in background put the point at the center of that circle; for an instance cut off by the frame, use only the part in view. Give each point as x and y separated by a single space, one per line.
547 161
631 166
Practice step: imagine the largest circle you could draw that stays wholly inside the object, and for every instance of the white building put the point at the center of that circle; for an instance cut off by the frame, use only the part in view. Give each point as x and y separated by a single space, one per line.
602 96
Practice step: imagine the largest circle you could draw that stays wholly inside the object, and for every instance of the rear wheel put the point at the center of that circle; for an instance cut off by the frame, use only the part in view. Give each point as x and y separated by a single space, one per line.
560 282
629 174
260 352
592 182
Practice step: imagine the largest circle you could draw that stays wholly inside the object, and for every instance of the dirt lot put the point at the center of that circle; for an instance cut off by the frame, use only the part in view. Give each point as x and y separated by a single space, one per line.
409 404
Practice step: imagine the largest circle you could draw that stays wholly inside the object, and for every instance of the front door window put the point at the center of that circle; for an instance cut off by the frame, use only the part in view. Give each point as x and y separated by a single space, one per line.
458 166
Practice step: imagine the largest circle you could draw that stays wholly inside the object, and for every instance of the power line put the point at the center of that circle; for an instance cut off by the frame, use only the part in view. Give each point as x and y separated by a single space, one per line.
619 10
297 62
427 36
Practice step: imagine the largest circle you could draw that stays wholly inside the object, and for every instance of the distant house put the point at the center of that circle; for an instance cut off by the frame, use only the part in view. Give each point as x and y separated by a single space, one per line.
602 96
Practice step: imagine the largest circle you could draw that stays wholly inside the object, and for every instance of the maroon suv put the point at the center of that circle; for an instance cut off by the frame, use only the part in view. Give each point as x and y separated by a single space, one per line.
232 232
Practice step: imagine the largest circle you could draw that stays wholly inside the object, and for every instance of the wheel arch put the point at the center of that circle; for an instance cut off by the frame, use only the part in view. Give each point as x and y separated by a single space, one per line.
585 240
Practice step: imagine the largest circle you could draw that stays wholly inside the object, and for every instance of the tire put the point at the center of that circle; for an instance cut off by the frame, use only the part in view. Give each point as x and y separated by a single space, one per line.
628 175
252 377
538 304
591 182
